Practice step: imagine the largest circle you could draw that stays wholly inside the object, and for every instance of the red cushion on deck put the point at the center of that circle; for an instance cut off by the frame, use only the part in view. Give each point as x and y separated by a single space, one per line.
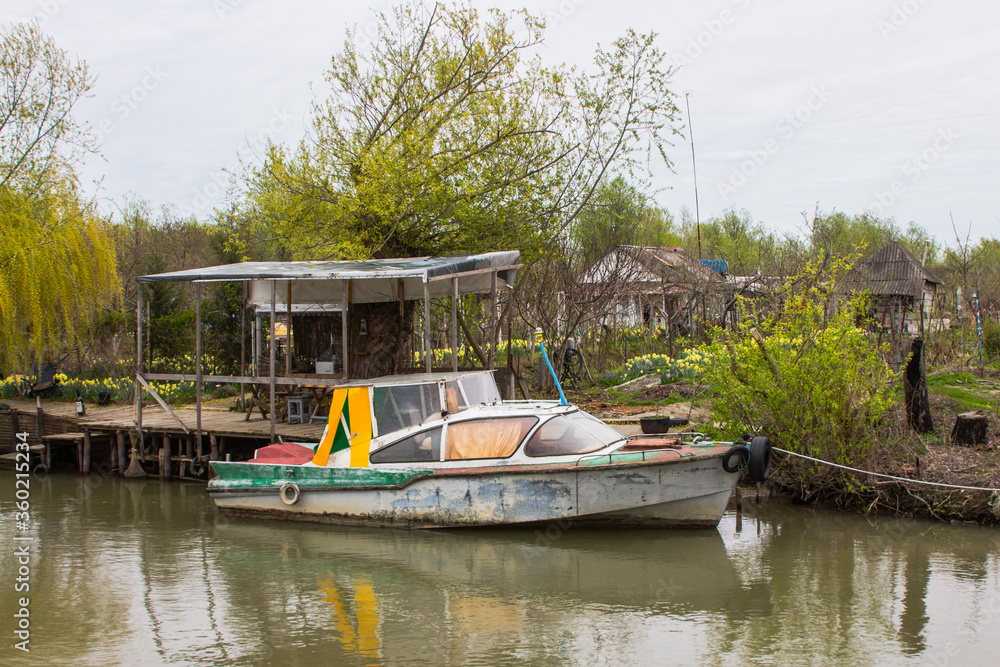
288 452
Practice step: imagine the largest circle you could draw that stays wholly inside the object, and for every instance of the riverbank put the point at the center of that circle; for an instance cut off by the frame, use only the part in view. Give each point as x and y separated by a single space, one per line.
929 457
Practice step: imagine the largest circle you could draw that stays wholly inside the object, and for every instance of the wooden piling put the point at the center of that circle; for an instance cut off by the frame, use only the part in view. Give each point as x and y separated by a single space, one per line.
214 451
121 451
85 459
165 458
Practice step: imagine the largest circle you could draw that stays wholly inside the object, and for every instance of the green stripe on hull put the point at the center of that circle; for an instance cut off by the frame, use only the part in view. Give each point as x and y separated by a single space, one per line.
264 475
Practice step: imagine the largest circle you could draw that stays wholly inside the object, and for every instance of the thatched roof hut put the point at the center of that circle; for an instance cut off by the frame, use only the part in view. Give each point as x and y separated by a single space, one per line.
903 288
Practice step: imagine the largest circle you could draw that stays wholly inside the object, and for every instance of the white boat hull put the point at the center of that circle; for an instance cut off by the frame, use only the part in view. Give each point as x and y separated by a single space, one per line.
662 491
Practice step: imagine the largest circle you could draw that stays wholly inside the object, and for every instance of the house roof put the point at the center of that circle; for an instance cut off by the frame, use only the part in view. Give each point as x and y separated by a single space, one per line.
651 265
890 271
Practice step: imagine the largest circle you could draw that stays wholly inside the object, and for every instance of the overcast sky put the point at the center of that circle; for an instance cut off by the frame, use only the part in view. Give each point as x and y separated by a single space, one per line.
882 105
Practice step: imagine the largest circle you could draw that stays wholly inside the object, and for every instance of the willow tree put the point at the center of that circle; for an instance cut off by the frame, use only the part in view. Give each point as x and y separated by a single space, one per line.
57 264
447 136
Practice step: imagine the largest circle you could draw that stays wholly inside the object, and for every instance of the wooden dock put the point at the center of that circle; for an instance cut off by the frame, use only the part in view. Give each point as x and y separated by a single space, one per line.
165 441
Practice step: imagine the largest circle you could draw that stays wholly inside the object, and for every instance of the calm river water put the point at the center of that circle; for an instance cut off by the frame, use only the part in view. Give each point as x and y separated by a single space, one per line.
143 573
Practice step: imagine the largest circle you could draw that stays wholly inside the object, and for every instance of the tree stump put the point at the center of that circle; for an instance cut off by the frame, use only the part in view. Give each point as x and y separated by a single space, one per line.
970 428
918 404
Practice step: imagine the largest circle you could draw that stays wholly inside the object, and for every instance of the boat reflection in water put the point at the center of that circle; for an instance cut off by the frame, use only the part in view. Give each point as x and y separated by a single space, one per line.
471 593
142 573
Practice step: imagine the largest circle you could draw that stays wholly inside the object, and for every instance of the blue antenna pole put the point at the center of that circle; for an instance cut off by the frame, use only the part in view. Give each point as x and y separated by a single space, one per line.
541 344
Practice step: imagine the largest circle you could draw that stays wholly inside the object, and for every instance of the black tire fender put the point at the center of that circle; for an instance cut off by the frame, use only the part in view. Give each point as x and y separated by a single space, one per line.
742 456
760 459
289 493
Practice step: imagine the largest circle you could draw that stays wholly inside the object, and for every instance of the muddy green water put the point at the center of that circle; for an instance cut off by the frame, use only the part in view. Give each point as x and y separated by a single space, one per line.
143 573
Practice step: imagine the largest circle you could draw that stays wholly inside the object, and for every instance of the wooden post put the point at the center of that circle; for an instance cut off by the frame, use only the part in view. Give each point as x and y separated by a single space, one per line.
428 348
189 454
345 313
165 458
214 447
454 324
491 355
120 435
402 327
510 345
243 352
85 458
39 418
288 328
138 358
270 344
197 358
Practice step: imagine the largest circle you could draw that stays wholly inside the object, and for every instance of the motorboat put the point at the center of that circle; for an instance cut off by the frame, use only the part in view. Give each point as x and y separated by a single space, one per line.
444 450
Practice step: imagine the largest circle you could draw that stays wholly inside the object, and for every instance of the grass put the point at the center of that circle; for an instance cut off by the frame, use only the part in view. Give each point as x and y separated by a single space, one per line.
964 388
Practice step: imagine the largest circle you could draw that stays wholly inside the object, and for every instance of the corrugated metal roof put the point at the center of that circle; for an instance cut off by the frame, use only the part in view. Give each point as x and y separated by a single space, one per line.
411 267
891 271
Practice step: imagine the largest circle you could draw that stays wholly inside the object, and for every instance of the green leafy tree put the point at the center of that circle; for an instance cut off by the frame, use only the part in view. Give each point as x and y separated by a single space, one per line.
57 262
447 137
619 214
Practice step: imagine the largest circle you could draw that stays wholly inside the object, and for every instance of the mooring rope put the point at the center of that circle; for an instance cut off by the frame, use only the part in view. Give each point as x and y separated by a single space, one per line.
878 474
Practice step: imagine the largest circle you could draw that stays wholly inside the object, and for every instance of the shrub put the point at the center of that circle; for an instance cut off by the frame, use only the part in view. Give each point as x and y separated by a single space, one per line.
991 342
812 380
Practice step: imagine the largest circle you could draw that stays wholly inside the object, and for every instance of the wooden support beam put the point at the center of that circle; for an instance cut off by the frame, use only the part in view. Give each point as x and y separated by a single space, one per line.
491 354
85 458
271 345
214 444
401 361
197 358
288 328
120 435
138 357
345 314
454 325
144 384
428 348
243 348
165 470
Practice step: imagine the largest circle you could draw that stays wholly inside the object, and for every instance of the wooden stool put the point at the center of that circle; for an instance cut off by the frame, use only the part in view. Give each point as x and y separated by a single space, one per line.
298 408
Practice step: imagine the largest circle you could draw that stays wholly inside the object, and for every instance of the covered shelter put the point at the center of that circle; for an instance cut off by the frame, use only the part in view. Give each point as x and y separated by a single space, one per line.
360 294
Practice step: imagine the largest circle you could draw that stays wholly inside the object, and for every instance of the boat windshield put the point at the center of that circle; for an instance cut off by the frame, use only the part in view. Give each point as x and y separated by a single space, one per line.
575 433
402 406
473 390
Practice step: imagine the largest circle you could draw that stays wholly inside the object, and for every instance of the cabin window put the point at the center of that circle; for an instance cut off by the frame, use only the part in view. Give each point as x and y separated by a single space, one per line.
424 446
473 390
402 406
575 433
486 438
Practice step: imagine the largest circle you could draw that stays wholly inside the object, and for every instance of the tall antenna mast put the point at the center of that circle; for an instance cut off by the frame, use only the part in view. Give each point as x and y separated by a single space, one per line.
694 168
